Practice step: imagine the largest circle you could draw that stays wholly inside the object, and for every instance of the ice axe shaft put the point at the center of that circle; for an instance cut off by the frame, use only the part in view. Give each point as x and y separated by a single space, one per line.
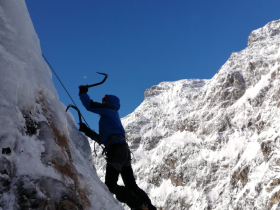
99 83
79 113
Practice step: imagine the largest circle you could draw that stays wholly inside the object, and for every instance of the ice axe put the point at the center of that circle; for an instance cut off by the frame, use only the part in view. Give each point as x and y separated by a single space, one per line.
79 113
99 83
81 122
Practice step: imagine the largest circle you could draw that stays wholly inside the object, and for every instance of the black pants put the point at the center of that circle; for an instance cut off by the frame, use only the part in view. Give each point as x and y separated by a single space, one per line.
130 194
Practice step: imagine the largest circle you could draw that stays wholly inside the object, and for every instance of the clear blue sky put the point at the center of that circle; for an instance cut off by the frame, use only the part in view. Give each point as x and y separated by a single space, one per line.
141 43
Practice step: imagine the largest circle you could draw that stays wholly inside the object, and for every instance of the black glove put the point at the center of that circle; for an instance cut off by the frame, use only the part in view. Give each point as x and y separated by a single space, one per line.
89 133
83 89
83 128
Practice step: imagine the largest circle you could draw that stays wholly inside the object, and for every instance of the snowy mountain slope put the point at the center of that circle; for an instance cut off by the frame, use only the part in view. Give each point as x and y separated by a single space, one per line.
213 144
45 163
154 119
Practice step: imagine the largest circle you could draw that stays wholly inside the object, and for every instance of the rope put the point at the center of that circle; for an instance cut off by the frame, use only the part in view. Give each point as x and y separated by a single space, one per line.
63 86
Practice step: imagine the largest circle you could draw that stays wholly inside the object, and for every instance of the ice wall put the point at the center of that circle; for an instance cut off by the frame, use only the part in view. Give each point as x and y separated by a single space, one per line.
45 163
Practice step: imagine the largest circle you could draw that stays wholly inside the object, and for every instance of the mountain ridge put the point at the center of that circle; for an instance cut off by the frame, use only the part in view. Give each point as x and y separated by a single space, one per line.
214 146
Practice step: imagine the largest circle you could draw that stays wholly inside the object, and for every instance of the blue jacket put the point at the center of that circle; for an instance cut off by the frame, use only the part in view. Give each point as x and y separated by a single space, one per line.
111 130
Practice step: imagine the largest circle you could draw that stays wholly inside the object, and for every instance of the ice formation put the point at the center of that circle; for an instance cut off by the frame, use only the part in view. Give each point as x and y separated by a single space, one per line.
45 163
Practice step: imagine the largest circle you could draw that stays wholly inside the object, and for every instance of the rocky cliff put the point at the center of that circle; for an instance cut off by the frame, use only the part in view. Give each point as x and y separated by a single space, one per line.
213 144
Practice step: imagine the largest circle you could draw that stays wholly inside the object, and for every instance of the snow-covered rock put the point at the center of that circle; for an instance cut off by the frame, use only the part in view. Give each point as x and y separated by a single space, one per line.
45 163
213 144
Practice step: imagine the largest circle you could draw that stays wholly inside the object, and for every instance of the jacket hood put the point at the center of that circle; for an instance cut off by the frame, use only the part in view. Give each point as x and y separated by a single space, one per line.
113 101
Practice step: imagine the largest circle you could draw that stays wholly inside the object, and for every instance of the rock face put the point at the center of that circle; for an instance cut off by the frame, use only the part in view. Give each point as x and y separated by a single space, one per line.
213 144
45 163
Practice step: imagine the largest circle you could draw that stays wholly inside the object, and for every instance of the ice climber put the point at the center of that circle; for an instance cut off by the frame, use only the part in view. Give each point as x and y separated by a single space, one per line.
112 136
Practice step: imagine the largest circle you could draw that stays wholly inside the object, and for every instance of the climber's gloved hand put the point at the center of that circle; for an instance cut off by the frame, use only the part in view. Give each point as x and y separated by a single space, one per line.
83 128
89 133
83 89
